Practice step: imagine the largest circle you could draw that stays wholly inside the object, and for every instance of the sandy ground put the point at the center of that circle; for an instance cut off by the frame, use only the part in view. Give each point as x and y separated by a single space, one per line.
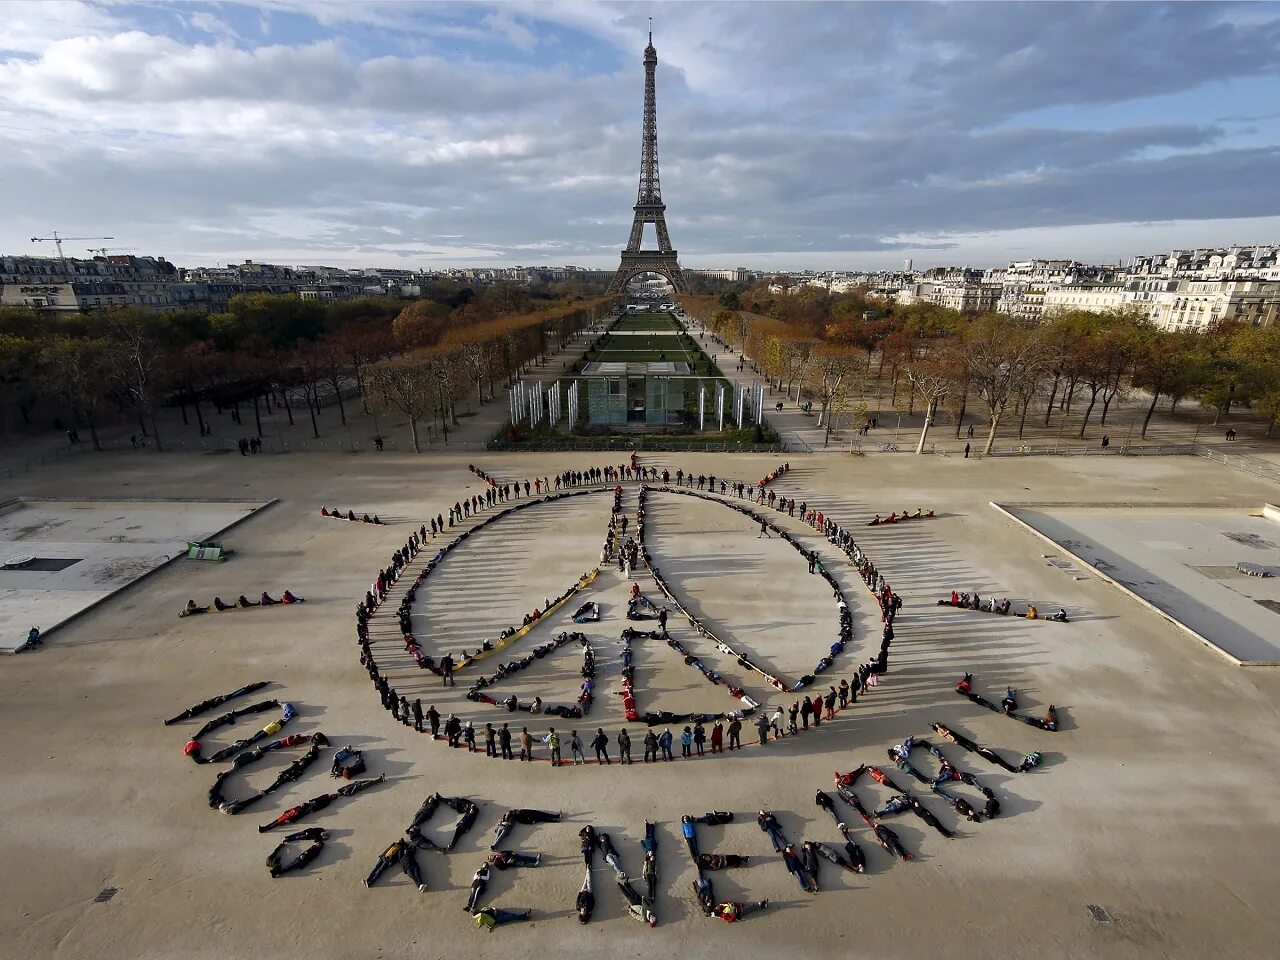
1155 800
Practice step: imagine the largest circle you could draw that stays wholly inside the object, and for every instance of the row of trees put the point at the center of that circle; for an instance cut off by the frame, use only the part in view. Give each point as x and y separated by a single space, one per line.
1014 371
419 360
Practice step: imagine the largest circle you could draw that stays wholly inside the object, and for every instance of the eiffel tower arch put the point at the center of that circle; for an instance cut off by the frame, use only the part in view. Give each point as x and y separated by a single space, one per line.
649 207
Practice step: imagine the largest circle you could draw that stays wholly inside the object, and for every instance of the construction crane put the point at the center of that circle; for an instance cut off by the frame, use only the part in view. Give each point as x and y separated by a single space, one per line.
103 251
57 241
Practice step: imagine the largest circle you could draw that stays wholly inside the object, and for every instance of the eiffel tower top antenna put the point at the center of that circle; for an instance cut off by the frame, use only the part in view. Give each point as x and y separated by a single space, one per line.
651 31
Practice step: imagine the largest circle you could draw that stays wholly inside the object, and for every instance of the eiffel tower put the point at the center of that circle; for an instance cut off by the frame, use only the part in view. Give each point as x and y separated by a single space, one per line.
649 206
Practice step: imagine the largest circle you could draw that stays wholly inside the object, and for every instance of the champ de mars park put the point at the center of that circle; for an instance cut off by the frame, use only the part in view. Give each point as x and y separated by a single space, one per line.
356 626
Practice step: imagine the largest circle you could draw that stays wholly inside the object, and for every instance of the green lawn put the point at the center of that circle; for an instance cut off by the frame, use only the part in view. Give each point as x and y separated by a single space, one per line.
646 322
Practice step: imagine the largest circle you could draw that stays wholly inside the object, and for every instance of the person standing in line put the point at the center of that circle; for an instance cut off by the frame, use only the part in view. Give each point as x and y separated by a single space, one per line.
446 669
650 746
624 746
843 693
775 723
664 741
552 739
526 744
601 744
829 701
717 737
699 736
417 715
575 748
735 733
762 726
806 711
504 741
490 747
966 451
815 705
686 741
433 720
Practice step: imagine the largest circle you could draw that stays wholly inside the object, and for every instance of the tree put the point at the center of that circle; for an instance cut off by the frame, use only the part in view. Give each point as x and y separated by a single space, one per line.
404 384
420 324
999 355
933 374
79 370
139 365
1257 350
835 369
1167 363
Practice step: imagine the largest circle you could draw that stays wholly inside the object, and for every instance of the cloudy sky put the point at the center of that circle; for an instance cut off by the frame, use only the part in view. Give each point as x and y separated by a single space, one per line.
790 135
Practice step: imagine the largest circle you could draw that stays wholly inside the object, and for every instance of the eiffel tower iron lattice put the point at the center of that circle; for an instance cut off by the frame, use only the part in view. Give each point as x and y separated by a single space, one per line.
649 207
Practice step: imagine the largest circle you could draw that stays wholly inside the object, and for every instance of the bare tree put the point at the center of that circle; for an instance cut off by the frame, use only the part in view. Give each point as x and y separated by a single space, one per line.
404 384
933 375
1000 354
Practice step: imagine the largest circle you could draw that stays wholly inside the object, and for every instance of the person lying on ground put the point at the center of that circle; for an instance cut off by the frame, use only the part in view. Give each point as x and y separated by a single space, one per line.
923 812
490 917
731 911
520 815
289 774
985 752
469 812
720 861
400 852
610 855
479 884
895 804
715 818
769 824
308 807
637 907
1050 721
313 836
649 872
791 860
194 747
587 839
809 860
689 831
960 804
206 705
890 842
288 597
702 890
505 859
586 901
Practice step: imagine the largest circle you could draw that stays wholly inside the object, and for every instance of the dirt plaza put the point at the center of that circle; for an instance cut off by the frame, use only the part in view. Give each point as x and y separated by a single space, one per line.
1127 812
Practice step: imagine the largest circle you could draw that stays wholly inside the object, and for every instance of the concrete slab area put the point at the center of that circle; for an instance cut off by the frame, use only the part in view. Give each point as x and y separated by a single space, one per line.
1155 802
113 543
1183 562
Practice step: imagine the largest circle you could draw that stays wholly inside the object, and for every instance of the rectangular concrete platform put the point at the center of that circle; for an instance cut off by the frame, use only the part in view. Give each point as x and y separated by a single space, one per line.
114 543
1181 561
